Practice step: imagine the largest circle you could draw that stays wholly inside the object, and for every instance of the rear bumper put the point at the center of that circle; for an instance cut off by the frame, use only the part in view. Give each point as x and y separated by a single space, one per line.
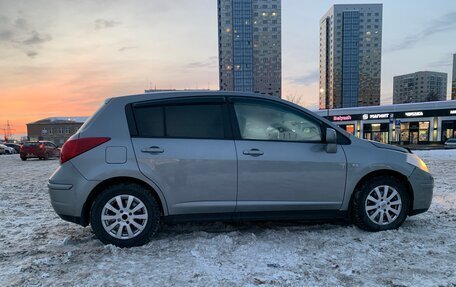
423 186
68 191
31 154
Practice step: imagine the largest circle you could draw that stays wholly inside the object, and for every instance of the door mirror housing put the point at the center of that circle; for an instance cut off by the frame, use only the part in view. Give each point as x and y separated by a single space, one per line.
331 140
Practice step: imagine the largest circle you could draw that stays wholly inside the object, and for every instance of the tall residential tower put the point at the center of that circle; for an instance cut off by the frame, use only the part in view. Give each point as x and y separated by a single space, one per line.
453 82
350 56
250 46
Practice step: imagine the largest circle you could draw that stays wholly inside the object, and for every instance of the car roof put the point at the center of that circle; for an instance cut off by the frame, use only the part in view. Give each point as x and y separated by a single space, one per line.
187 93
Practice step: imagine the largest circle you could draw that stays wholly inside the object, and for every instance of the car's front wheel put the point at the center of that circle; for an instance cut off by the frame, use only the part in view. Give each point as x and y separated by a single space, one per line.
125 215
380 203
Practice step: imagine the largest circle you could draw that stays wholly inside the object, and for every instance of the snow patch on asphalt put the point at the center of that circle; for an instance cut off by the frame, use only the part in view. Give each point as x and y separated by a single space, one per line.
37 248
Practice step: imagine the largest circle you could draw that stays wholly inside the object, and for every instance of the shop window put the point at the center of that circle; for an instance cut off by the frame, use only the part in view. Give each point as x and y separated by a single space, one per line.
405 132
350 129
424 131
376 132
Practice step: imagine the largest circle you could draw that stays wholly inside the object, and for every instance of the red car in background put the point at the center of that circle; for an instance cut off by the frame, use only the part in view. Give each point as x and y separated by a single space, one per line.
39 149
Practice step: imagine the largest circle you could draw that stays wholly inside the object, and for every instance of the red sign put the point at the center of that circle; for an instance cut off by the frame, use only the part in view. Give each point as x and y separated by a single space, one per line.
341 118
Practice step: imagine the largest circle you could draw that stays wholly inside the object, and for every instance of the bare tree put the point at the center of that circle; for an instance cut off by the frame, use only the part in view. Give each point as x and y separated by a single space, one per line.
295 99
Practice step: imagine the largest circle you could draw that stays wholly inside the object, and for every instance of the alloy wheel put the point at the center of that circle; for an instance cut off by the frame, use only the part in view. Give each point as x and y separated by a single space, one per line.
124 216
383 205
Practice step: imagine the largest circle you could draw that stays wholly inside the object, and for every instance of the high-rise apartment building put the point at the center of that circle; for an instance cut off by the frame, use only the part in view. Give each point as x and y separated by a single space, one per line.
420 87
350 56
250 46
453 82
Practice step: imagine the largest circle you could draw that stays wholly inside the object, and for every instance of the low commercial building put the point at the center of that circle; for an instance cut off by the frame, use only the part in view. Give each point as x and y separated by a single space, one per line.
55 129
406 124
418 87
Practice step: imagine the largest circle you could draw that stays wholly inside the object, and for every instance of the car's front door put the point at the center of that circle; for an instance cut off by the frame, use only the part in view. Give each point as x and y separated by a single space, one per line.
282 161
187 149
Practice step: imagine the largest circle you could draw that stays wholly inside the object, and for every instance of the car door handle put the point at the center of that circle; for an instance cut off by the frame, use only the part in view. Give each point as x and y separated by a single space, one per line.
153 149
253 152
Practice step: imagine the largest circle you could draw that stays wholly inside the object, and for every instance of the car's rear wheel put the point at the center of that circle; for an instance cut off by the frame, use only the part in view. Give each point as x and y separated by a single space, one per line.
125 215
380 203
46 156
23 158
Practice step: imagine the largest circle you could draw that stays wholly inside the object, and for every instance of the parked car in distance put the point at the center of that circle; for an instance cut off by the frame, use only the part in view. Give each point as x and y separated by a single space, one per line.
16 147
7 149
450 143
39 149
192 156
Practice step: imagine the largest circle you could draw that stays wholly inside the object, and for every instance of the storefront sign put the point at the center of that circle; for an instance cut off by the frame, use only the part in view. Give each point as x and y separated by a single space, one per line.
414 114
341 118
392 114
376 116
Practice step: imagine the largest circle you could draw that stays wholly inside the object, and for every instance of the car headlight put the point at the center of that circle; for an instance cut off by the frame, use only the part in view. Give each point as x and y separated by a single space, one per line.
415 160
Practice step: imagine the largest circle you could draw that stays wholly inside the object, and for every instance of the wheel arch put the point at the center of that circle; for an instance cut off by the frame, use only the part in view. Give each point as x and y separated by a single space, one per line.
85 214
384 172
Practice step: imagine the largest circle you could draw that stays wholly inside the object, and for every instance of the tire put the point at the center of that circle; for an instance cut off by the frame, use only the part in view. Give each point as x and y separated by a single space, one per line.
373 211
23 158
46 156
107 230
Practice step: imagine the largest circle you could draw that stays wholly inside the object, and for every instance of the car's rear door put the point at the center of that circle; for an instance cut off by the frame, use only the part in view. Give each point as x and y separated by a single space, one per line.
282 161
186 147
52 149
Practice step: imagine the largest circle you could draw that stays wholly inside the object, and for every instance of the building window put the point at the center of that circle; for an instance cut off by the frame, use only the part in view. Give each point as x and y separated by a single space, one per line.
67 131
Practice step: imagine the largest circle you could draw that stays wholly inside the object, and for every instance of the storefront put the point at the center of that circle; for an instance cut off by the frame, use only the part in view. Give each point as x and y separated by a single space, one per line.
376 132
350 128
348 123
414 133
405 124
448 129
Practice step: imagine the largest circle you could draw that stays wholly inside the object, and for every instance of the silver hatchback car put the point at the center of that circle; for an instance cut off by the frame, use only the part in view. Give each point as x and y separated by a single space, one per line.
203 156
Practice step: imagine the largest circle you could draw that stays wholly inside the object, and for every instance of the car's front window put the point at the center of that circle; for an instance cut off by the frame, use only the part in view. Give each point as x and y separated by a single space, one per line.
264 121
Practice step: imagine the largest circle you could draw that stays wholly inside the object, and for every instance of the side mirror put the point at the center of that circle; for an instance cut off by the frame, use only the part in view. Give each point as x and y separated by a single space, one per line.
331 140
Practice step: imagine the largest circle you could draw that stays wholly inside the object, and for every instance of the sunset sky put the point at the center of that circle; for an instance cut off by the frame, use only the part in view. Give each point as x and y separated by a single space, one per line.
62 58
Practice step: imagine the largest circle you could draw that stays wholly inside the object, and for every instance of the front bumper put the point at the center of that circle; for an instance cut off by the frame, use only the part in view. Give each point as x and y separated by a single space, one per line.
422 184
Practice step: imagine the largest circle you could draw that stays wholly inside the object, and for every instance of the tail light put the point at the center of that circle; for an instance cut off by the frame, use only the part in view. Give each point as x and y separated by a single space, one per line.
41 146
73 148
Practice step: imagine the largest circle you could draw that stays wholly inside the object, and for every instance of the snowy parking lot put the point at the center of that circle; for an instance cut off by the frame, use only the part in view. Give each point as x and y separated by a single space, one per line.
37 248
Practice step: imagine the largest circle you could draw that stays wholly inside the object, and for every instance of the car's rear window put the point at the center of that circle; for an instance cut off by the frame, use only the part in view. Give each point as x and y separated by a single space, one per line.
31 144
204 121
194 121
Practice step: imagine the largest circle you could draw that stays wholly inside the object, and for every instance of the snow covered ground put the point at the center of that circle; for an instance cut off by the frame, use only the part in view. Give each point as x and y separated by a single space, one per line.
38 249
